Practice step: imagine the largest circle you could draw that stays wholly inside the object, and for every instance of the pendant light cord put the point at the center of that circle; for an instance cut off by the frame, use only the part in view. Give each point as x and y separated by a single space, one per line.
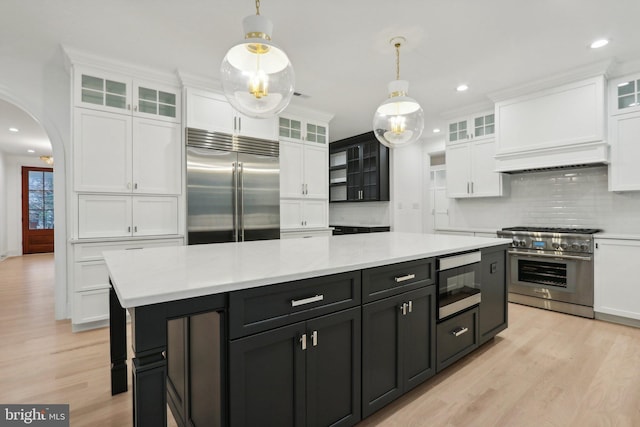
397 61
257 7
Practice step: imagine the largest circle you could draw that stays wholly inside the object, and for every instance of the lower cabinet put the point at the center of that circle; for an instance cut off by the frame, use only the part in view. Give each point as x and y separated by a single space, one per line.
304 374
492 311
457 337
398 346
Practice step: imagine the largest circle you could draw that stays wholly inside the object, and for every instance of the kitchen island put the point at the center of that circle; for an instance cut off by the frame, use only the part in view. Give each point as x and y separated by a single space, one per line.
285 331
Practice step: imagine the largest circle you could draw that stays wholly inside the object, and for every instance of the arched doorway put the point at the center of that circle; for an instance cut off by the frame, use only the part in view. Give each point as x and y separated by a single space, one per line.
50 144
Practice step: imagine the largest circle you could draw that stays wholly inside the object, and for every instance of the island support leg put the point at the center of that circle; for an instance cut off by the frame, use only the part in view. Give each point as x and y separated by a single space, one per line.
149 391
118 344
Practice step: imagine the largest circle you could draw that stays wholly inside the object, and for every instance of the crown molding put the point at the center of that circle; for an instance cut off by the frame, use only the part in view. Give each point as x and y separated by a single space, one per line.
468 110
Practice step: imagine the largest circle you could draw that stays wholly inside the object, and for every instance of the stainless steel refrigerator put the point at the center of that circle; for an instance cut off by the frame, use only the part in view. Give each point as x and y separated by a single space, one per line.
233 188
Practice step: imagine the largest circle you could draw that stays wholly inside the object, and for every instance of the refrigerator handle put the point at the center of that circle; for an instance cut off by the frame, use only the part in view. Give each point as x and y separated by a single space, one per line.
241 197
235 201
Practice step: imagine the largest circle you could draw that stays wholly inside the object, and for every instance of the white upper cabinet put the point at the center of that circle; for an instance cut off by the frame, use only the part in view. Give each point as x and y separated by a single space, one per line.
476 127
104 91
304 170
624 95
624 133
296 129
471 170
298 213
212 112
114 153
552 127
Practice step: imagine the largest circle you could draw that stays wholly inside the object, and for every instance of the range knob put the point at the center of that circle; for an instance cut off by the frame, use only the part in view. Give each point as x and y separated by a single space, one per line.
515 243
522 243
575 246
584 247
555 245
563 246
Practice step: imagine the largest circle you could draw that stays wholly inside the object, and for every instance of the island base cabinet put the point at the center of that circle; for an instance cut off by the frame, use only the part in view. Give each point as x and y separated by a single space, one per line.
492 312
304 374
398 346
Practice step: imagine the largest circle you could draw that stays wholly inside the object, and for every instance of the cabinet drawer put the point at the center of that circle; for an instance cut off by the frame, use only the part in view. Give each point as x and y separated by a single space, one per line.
93 251
388 280
259 309
456 337
90 306
91 275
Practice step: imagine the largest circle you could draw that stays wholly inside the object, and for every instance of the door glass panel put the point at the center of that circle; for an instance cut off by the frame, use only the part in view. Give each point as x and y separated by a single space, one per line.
626 101
90 82
116 88
322 139
284 132
148 107
311 128
147 94
453 136
626 88
490 129
462 126
321 130
167 110
295 124
479 131
453 127
295 134
479 121
92 97
167 98
40 200
489 119
115 101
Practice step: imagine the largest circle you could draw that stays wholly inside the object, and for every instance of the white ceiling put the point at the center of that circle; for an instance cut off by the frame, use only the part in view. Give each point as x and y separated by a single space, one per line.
339 49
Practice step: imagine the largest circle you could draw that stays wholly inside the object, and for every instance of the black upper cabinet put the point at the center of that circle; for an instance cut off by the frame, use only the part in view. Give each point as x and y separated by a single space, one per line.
358 170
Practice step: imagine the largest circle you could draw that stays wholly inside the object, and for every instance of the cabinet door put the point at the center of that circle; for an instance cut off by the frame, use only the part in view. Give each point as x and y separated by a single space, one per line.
482 126
157 157
333 369
492 316
267 378
316 171
458 176
209 111
101 151
102 91
290 129
381 353
315 213
419 337
257 128
104 216
354 172
154 102
485 182
291 214
616 290
316 133
625 152
291 169
155 215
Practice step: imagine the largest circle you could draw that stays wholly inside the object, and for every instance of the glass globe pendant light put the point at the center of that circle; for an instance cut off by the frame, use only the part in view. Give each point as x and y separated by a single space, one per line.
257 76
399 120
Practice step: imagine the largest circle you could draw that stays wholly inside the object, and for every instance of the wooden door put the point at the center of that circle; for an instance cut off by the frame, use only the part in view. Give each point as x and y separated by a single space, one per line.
37 210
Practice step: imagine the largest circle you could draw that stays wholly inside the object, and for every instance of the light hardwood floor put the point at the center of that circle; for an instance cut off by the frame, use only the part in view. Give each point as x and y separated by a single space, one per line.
546 369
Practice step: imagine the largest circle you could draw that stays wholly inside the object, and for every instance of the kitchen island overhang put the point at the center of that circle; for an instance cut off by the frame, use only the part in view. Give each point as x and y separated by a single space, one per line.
159 284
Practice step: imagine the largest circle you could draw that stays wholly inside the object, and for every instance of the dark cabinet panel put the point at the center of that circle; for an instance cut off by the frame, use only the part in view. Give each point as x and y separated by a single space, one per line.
393 279
398 346
307 373
457 337
362 174
493 313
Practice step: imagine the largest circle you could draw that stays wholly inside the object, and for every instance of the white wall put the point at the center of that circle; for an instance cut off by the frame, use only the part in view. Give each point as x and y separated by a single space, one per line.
3 208
13 198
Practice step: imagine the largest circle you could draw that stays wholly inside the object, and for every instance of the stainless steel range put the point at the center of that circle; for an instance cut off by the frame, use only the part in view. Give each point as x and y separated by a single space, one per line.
551 268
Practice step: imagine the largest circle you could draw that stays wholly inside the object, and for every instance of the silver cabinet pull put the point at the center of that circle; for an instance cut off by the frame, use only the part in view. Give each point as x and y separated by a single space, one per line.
303 341
302 188
235 119
459 331
403 308
128 106
316 298
410 306
467 188
399 279
314 338
129 229
135 108
239 124
472 187
135 186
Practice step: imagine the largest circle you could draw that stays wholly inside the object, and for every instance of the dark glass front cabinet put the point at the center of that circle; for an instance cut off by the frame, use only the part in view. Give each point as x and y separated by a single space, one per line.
358 170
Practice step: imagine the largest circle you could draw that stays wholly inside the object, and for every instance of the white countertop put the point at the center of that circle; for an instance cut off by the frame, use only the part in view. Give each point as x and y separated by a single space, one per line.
154 275
469 229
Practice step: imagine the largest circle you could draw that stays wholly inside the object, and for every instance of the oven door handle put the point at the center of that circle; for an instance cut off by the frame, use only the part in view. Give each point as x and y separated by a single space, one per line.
543 255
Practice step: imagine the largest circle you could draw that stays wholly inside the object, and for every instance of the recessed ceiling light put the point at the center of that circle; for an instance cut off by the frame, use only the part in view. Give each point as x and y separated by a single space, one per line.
436 130
599 43
14 130
31 151
462 88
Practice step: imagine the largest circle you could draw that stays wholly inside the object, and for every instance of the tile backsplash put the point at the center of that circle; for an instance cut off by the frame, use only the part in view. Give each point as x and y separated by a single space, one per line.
560 198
